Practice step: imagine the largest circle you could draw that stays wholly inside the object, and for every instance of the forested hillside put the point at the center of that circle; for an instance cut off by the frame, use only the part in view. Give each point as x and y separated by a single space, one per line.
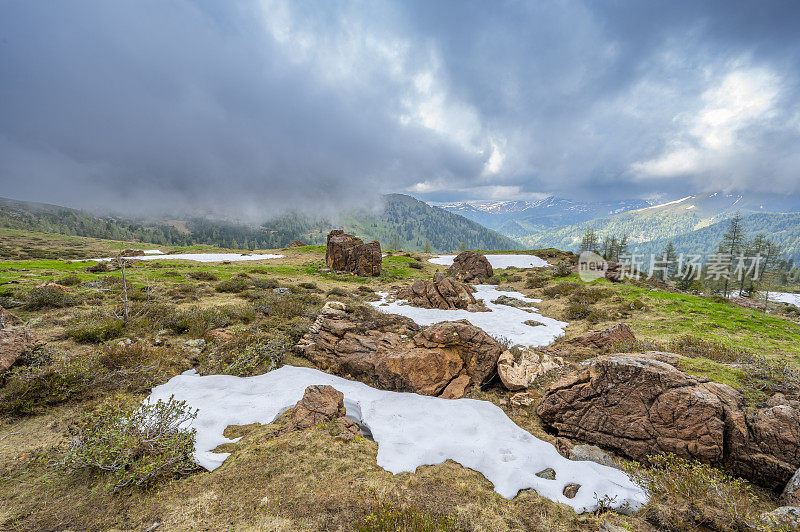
405 223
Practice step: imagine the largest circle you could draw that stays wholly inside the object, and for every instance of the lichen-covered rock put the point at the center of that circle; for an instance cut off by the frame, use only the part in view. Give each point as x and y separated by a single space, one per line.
639 405
404 357
9 319
616 334
349 253
791 493
519 368
320 404
441 292
592 453
470 266
784 518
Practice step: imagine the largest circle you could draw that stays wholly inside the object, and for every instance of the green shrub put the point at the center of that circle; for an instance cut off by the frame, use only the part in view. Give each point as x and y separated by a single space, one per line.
195 321
95 328
69 280
265 284
134 445
249 353
341 292
29 389
579 310
685 494
308 286
49 296
563 269
201 275
588 294
560 289
415 265
233 285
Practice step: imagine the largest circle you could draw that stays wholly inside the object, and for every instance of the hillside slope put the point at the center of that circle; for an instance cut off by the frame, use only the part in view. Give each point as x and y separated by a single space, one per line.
404 220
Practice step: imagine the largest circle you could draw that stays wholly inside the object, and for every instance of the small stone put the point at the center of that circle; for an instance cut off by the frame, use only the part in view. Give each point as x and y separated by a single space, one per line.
548 474
334 309
592 453
570 490
522 399
283 290
345 437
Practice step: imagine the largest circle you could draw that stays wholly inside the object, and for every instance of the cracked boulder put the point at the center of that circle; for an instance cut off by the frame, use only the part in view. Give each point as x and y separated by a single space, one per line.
616 334
519 368
350 254
14 342
320 404
470 266
443 293
638 405
444 359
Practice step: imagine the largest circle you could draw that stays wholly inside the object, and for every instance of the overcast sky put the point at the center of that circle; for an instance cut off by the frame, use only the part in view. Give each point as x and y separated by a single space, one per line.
248 107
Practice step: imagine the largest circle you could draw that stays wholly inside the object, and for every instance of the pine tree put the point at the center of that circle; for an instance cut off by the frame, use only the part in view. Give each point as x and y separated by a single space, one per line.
731 244
589 241
669 257
427 247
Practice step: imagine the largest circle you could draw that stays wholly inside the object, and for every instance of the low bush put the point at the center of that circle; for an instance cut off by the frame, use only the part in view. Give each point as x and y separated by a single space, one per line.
96 327
562 269
415 265
234 285
580 310
49 296
685 494
265 284
588 294
386 517
195 321
249 353
560 289
341 292
308 286
134 444
201 275
69 280
28 390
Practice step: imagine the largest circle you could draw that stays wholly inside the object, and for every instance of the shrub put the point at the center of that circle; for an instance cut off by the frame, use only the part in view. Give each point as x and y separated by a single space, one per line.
135 445
233 285
341 292
684 492
250 353
579 310
195 321
415 265
265 284
49 296
201 275
563 269
589 295
69 280
308 286
366 289
560 289
29 389
95 328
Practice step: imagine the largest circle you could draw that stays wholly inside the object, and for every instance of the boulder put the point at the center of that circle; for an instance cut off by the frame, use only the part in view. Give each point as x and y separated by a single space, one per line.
641 404
15 341
348 253
614 272
320 404
592 453
783 518
443 359
519 368
9 319
470 266
131 253
442 292
791 493
617 333
297 244
54 286
100 267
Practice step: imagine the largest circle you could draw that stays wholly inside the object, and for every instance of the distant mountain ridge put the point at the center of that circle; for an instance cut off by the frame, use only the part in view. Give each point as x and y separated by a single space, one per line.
404 220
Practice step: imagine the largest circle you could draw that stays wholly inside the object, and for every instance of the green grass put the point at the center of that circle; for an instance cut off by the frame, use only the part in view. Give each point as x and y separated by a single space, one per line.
714 371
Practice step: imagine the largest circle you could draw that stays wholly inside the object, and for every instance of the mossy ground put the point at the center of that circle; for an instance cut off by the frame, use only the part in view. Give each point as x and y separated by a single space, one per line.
309 481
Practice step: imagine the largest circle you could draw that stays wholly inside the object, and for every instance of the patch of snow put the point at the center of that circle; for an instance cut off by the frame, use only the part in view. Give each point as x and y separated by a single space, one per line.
411 430
499 261
502 322
153 252
669 203
785 297
202 257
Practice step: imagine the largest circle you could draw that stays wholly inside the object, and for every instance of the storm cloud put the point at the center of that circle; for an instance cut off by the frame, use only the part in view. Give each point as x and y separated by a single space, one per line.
249 108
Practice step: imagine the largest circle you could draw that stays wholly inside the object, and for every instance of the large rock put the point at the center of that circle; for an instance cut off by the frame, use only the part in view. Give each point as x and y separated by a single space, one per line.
614 272
791 493
297 244
348 253
15 341
442 292
639 405
9 319
616 334
320 404
441 359
519 368
470 266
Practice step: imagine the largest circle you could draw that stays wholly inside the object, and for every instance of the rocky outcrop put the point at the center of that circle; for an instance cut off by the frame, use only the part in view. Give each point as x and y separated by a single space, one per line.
9 319
639 405
791 493
442 292
519 368
470 266
320 404
131 253
14 342
443 359
297 244
350 254
616 334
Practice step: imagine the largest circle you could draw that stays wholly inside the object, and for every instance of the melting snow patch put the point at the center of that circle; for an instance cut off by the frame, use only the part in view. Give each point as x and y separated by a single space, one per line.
202 257
499 261
785 297
411 430
153 252
503 322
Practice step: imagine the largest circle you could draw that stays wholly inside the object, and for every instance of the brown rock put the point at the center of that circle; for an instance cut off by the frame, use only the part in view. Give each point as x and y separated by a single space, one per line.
570 490
297 244
219 334
348 253
100 267
522 399
51 284
617 333
614 272
9 319
442 292
470 266
639 405
519 368
457 388
14 342
401 356
131 253
320 404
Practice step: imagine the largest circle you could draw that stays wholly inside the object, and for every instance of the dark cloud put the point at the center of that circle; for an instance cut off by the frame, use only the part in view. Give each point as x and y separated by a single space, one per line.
250 108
